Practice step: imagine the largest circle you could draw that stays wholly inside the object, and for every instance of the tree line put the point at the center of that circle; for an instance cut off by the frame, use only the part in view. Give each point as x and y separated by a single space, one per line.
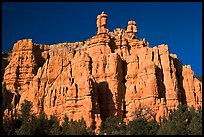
183 121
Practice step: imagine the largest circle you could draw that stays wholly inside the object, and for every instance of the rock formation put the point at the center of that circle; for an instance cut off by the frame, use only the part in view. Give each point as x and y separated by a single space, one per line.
112 73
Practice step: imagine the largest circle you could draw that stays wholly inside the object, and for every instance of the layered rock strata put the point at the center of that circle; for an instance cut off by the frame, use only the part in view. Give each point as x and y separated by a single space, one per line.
112 73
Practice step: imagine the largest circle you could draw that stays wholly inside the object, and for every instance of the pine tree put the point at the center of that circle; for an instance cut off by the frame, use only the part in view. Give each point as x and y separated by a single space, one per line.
176 125
26 109
113 125
41 123
74 127
55 128
7 126
137 127
65 126
195 125
78 127
26 117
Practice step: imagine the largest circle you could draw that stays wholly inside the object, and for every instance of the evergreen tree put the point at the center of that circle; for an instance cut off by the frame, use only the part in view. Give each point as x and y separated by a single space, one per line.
152 127
176 125
55 128
26 117
7 126
65 126
78 127
182 121
41 125
74 127
27 128
6 98
25 109
137 127
167 128
113 125
195 125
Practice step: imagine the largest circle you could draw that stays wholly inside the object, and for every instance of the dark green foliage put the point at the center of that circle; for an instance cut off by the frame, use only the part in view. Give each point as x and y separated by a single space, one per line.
35 125
141 126
74 127
183 121
113 125
176 124
195 125
31 124
137 127
167 128
65 126
26 109
6 98
152 127
27 128
55 128
78 127
41 125
7 127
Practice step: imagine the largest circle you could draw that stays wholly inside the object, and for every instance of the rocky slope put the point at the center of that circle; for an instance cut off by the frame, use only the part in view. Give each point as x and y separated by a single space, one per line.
112 73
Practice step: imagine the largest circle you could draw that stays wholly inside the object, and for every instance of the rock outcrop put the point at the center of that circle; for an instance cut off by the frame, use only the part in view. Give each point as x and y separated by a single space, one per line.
112 73
25 61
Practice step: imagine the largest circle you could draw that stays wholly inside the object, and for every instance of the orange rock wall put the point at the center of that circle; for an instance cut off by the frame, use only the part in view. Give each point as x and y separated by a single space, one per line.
112 73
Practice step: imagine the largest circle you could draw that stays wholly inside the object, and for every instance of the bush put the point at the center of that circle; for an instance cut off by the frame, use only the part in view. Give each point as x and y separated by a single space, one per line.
182 122
55 128
141 126
195 125
74 127
7 127
113 125
26 109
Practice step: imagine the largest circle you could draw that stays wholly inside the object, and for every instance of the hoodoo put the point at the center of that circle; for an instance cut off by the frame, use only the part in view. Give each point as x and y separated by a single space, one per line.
112 73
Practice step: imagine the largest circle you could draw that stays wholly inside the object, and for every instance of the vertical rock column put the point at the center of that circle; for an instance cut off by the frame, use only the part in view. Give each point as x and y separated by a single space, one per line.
132 94
101 23
86 96
114 73
198 92
189 86
108 72
169 75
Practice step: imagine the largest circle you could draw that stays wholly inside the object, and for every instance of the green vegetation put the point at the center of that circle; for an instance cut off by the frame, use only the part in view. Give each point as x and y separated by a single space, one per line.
183 121
6 98
113 125
141 126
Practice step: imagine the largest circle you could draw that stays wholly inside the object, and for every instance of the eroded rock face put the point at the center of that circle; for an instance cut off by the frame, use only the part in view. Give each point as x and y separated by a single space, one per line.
25 61
112 73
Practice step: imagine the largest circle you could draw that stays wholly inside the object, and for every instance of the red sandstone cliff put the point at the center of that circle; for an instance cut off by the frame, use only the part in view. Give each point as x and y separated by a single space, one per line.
112 73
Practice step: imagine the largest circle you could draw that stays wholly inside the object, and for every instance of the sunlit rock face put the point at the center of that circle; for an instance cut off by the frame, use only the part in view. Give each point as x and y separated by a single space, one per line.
112 73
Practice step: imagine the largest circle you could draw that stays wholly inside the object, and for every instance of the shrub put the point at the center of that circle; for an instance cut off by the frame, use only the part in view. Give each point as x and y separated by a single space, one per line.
113 125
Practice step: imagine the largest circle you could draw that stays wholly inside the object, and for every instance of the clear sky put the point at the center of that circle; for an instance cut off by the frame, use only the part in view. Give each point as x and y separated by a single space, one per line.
177 24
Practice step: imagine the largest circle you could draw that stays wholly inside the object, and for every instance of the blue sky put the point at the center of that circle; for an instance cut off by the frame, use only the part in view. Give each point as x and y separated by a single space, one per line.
177 24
